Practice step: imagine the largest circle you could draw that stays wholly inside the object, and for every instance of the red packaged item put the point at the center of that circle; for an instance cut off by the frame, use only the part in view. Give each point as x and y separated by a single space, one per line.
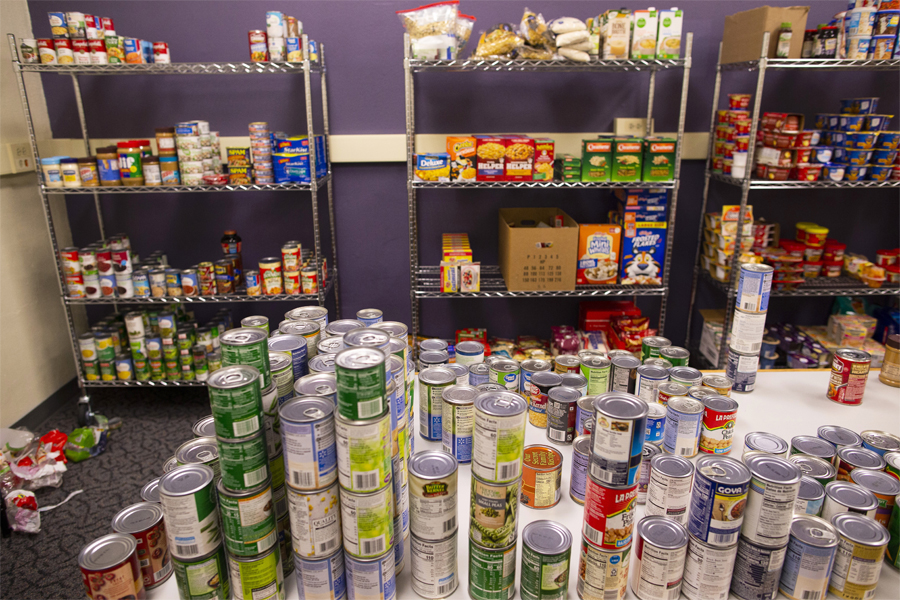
833 268
809 172
596 315
519 164
55 441
490 157
782 122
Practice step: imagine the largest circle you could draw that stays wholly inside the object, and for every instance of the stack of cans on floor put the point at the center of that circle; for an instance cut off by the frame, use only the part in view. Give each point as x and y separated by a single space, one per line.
749 325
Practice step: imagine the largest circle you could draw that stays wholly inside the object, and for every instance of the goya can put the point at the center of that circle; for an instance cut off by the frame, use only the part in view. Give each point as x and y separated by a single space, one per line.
880 442
651 345
861 545
434 567
884 487
458 421
849 371
246 346
561 409
650 450
371 579
315 521
363 453
527 369
248 520
498 436
204 578
541 477
188 499
718 500
844 496
581 457
433 495
609 514
361 383
584 415
684 419
546 554
757 570
144 522
492 572
812 446
656 423
660 547
774 485
493 515
839 437
432 383
602 574
235 397
810 497
620 427
321 578
596 370
538 394
647 382
717 429
676 355
669 490
308 439
852 458
704 566
623 373
244 461
809 559
259 577
815 468
754 287
199 451
110 568
367 520
768 443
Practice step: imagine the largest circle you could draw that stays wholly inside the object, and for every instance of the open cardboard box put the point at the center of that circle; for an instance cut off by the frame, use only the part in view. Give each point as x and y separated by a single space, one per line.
743 35
537 258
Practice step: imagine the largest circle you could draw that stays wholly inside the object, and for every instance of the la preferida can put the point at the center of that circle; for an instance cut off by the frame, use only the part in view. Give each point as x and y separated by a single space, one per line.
774 486
704 566
660 547
363 452
669 490
561 405
433 495
541 477
546 553
235 397
188 499
718 500
434 567
252 574
373 578
602 574
492 572
204 578
810 556
321 578
367 520
493 513
361 383
684 418
144 522
539 392
849 371
717 428
458 420
609 514
315 521
248 519
581 458
861 545
432 383
308 440
498 436
620 427
110 568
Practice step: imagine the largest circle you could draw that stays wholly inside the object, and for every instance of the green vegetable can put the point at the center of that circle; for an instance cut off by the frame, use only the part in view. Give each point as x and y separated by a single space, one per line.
492 572
235 398
244 462
494 509
363 452
361 383
248 520
188 499
204 578
498 436
546 550
258 577
367 521
247 346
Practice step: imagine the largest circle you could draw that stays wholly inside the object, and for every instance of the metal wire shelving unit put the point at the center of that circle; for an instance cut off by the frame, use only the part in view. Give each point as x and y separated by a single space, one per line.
425 280
820 286
305 68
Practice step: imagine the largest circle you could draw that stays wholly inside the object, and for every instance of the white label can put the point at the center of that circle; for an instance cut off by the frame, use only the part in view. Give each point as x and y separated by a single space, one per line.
433 567
747 331
704 566
659 552
669 490
315 521
774 484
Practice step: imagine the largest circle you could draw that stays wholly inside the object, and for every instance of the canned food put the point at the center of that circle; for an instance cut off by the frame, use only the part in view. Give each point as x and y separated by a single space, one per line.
367 520
492 572
505 373
295 346
623 374
308 439
246 346
596 369
527 369
110 567
561 405
861 544
718 500
361 382
144 522
317 384
652 344
620 427
602 574
660 548
754 287
668 390
433 565
812 446
884 487
371 578
669 489
684 418
810 555
364 453
893 549
853 457
541 477
765 442
717 429
584 415
494 513
757 571
893 464
747 331
315 521
498 436
199 451
432 383
741 369
774 486
686 376
252 574
542 382
322 578
677 356
188 499
566 363
150 491
546 552
648 380
839 437
248 519
849 371
479 373
433 495
575 381
609 514
703 569
204 578
810 497
880 442
650 450
581 457
457 421
816 468
718 383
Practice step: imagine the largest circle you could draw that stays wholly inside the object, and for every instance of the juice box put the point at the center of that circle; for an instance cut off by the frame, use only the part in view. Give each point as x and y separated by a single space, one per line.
598 254
643 35
519 158
643 253
668 45
490 154
659 159
543 159
432 166
627 155
462 158
596 159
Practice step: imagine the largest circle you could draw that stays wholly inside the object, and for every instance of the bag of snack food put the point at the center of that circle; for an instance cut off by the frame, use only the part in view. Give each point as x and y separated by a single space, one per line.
534 31
464 25
500 40
432 30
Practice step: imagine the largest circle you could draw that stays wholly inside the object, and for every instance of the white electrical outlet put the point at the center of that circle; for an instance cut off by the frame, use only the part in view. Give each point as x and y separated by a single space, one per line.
626 126
19 159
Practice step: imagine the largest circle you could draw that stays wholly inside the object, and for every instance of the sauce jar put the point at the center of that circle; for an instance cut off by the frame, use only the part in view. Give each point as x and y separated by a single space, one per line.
130 163
87 169
890 369
150 166
52 173
165 141
70 175
108 166
168 168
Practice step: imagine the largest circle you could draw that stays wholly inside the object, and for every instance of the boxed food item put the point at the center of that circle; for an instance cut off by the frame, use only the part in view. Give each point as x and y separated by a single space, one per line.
596 159
643 253
538 249
668 45
543 159
615 34
470 277
643 34
490 154
519 164
449 278
743 34
659 159
432 166
595 315
782 122
642 197
598 254
455 248
627 153
729 220
462 158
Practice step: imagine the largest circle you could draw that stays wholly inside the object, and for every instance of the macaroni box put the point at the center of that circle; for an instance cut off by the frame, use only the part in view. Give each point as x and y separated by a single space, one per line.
543 159
627 155
598 254
659 159
519 158
643 253
490 155
596 159
462 158
432 166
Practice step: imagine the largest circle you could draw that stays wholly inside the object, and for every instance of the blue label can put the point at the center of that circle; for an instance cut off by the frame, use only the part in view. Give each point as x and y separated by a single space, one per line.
656 423
141 284
133 51
296 346
371 578
581 456
811 551
754 287
684 418
457 422
399 547
308 439
479 373
718 500
321 579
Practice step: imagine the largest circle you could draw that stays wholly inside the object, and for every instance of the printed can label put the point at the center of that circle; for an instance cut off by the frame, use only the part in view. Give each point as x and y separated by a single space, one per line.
310 453
544 576
499 443
717 511
602 574
493 513
717 431
192 523
492 572
609 515
315 521
367 521
363 452
248 522
433 567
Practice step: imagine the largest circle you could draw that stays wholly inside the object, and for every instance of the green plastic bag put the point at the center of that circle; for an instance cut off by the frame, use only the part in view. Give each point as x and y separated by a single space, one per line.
79 446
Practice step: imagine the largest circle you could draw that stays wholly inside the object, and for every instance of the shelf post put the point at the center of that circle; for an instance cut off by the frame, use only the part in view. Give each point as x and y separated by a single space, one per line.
313 178
79 102
410 190
330 184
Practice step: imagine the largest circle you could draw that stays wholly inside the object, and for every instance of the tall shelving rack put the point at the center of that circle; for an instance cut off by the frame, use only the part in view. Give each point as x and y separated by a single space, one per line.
305 68
820 286
425 279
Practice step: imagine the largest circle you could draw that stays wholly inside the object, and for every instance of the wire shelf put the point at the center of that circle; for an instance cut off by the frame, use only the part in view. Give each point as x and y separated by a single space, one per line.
133 383
559 66
764 184
170 189
819 286
225 68
543 184
428 285
821 64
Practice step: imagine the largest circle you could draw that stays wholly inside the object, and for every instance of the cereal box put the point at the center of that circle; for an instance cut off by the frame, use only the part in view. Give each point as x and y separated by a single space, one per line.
490 153
519 158
432 166
659 159
627 154
470 277
643 36
643 253
462 158
669 34
543 159
596 159
598 254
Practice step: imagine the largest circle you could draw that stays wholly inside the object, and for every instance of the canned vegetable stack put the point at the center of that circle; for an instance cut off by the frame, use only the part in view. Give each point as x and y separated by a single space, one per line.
749 325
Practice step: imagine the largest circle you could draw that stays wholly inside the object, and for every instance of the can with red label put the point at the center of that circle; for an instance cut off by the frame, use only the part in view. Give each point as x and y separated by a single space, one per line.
110 568
97 48
161 53
81 51
717 429
259 46
309 281
46 52
292 282
849 371
64 54
609 514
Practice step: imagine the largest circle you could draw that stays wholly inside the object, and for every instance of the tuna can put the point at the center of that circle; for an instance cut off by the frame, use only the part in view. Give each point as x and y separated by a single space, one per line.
815 468
294 346
648 380
660 548
527 369
686 376
684 417
469 352
432 383
248 520
199 451
849 371
581 458
110 568
498 436
363 453
282 375
371 579
204 578
540 386
839 437
310 330
774 485
810 556
494 511
810 497
561 404
650 450
479 373
718 383
546 553
602 574
308 439
361 383
584 415
880 442
676 355
506 373
457 421
246 346
317 384
668 390
433 566
742 369
856 458
861 545
754 286
188 499
704 569
150 491
623 374
566 363
321 578
244 462
812 446
257 577
765 442
235 397
717 429
656 423
433 495
718 500
144 522
669 490
609 514
757 571
651 345
884 487
492 572
367 521
620 426
596 370
315 521
541 477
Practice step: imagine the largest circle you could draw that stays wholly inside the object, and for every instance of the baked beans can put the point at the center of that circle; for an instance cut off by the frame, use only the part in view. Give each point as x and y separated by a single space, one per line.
561 406
769 443
747 330
757 570
650 450
492 572
367 520
321 578
546 554
660 548
541 477
810 497
315 521
669 489
774 486
754 287
204 578
498 436
717 429
250 574
248 519
809 445
432 383
373 578
845 496
656 423
676 355
110 568
884 487
144 522
602 574
718 500
596 369
566 363
880 442
609 514
584 415
620 427
540 385
457 421
434 567
244 461
433 493
623 374
853 457
494 510
861 546
648 380
809 559
308 439
668 390
581 457
527 369
684 418
188 497
821 470
849 371
686 376
363 452
839 437
705 568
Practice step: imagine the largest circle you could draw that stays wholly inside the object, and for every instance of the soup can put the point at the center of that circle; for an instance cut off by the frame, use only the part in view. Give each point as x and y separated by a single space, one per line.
861 543
684 418
498 436
669 390
650 450
144 522
602 574
110 567
584 415
205 577
849 371
718 500
432 383
367 520
703 568
249 574
609 514
686 376
774 486
757 571
457 421
810 497
815 468
669 489
656 423
546 553
765 442
809 559
884 487
363 453
880 442
651 345
648 380
373 578
717 429
676 355
581 457
433 495
561 408
493 512
315 517
321 578
623 374
596 370
620 427
188 499
660 547
492 572
541 477
852 457
434 567
539 393
528 369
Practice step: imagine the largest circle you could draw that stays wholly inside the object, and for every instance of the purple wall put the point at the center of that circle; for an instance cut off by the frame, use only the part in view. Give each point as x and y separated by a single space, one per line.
364 55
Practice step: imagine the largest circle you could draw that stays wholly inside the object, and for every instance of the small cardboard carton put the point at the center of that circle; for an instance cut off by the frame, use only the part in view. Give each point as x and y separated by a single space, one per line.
668 45
543 159
598 254
490 154
643 34
536 254
659 159
519 158
596 159
743 35
643 253
615 34
462 158
627 154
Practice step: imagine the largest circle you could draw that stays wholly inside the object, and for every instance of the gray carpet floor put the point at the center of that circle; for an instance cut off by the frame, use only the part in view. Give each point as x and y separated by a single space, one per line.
155 423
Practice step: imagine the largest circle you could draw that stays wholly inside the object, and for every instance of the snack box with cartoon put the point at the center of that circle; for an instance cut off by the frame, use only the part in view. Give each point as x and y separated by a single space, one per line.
462 158
643 253
598 254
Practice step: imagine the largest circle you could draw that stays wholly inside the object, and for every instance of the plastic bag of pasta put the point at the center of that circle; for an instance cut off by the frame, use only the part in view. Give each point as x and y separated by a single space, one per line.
534 30
498 41
531 53
464 25
432 30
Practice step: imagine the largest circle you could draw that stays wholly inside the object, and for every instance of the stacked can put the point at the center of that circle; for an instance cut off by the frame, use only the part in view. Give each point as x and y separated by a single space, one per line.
198 151
749 325
498 450
363 428
261 152
617 444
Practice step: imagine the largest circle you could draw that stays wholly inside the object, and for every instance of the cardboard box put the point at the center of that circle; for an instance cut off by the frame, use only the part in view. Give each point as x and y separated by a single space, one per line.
659 159
668 44
643 34
596 159
490 153
598 254
543 159
431 166
743 35
627 155
615 34
519 158
643 252
462 158
534 258
595 315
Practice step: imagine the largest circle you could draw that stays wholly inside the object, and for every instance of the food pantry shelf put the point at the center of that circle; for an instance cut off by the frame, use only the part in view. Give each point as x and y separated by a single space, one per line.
181 68
819 286
544 184
135 383
169 189
765 184
820 64
486 64
493 286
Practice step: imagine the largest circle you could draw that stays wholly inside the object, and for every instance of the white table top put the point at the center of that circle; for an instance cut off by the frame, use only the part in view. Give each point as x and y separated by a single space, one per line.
786 403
